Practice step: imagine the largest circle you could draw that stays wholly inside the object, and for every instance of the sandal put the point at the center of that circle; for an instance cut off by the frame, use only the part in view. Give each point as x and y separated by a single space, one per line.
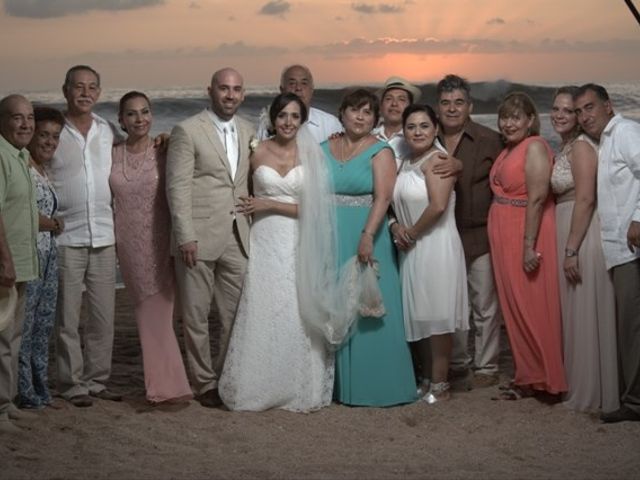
514 393
437 393
423 387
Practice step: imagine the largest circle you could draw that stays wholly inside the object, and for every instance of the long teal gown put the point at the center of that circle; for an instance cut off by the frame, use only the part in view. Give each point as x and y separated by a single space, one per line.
373 368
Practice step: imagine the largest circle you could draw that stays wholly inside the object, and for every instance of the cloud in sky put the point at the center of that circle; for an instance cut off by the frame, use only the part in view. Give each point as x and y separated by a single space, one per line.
496 21
224 50
275 7
61 8
370 9
424 46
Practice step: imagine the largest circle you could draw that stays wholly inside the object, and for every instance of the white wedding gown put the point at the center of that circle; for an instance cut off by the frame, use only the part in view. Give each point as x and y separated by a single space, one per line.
273 361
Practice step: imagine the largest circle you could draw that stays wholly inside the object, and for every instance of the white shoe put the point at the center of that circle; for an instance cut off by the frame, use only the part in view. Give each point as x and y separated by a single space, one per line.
15 413
438 392
7 426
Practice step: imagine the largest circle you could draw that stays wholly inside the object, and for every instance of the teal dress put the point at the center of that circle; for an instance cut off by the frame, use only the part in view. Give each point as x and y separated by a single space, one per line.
373 368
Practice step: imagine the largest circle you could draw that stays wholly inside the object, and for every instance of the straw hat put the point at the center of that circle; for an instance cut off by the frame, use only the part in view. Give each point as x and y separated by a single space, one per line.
401 83
8 301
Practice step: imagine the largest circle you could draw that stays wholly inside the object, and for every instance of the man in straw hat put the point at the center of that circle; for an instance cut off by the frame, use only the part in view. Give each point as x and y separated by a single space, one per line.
396 95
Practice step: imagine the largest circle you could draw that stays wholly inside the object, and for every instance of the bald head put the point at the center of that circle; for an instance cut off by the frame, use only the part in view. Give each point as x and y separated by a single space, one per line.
298 79
226 93
16 120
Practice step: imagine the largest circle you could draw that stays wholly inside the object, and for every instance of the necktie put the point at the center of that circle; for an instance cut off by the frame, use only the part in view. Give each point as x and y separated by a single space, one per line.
231 149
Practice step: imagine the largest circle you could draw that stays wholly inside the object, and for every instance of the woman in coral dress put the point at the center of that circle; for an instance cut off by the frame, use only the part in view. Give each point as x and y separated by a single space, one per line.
142 227
522 236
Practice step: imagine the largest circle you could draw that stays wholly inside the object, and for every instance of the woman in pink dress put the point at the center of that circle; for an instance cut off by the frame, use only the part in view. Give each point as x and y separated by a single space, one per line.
522 236
142 227
586 289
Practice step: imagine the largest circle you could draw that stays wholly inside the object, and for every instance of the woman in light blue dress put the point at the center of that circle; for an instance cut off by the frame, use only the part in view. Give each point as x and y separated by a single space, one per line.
373 366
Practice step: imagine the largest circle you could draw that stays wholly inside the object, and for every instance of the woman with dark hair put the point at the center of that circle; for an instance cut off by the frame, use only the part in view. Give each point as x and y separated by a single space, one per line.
42 293
522 235
586 288
432 264
276 357
373 366
143 228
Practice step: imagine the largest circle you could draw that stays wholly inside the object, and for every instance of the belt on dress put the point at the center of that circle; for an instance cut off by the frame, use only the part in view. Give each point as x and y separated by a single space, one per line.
353 200
514 202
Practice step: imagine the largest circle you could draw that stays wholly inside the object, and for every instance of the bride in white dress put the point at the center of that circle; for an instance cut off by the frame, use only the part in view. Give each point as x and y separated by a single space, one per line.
275 358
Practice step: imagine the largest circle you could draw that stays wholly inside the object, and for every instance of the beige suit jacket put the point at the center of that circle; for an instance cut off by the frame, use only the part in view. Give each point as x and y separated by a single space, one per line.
201 193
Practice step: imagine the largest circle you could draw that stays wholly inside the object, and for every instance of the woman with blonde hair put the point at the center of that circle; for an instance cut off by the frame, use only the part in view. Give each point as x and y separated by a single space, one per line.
522 236
586 288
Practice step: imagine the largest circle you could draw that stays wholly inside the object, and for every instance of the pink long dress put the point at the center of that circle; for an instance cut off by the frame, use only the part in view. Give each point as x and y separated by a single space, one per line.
142 228
530 302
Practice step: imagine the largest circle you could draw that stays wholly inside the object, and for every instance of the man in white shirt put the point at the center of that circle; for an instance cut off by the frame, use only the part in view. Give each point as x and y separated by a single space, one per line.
207 172
80 172
298 79
619 210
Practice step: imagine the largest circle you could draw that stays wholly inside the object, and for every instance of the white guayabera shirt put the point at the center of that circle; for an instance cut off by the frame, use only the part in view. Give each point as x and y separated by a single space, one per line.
79 172
618 187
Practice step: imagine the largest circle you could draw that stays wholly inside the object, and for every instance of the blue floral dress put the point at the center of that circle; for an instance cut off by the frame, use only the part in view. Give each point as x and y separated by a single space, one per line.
40 308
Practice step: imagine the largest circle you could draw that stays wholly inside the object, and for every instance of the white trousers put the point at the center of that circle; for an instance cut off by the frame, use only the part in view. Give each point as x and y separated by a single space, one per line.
486 318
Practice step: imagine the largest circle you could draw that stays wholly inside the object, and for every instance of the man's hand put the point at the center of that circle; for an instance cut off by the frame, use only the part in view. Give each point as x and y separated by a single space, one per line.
446 166
189 252
7 272
633 236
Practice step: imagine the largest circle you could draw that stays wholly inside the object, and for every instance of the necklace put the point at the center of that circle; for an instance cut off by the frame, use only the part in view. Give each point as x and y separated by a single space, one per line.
138 168
344 159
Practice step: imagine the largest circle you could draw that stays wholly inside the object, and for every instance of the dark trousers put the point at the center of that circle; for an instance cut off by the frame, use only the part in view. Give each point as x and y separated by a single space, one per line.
626 282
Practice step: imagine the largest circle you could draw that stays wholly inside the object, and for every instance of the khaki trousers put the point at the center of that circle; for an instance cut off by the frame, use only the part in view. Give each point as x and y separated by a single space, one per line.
80 373
626 283
10 339
485 314
219 281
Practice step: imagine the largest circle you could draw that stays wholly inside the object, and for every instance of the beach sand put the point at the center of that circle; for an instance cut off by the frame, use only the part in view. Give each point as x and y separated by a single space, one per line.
470 436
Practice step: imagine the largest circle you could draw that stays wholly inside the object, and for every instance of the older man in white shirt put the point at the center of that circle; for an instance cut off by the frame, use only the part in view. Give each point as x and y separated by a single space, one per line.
298 79
86 249
619 210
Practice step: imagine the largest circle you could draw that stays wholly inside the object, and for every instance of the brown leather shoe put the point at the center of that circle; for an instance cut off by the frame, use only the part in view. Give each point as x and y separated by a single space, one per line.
210 398
623 414
107 395
81 401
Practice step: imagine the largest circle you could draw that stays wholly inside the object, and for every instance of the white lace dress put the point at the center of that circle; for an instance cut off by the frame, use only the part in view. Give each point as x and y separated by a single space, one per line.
273 361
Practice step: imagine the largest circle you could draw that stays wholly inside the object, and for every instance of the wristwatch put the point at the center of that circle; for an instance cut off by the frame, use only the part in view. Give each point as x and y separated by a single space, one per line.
568 252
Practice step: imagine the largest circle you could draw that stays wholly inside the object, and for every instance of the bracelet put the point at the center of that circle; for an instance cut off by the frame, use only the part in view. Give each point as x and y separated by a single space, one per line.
570 252
364 232
392 222
531 240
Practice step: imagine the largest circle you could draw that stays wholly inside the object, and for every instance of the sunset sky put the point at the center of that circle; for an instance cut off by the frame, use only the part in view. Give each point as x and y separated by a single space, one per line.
162 43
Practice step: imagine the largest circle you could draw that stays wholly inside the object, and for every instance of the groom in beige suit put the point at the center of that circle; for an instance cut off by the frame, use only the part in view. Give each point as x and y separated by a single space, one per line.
207 170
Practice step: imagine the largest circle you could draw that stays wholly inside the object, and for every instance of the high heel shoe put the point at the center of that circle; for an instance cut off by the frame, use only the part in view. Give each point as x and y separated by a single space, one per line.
437 393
